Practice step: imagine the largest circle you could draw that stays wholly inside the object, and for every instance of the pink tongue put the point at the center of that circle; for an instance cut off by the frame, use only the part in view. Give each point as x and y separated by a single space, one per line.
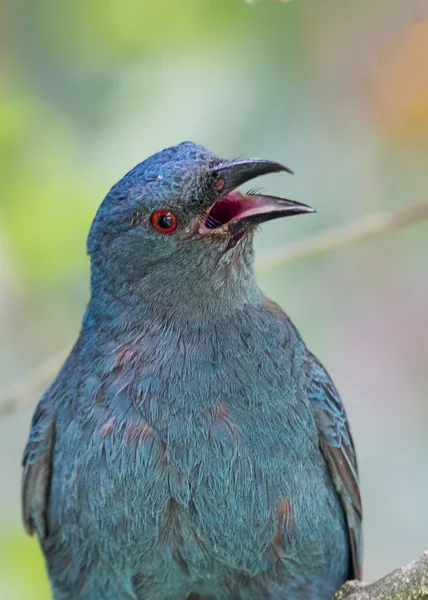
236 206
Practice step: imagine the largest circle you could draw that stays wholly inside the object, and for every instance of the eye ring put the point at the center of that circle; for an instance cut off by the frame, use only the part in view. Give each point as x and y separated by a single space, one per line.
164 221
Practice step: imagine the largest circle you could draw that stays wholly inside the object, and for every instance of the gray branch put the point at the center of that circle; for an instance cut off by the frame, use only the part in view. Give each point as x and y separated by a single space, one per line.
408 583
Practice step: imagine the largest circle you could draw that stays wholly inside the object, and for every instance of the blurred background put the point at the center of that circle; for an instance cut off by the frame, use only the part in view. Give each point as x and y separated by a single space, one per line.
336 90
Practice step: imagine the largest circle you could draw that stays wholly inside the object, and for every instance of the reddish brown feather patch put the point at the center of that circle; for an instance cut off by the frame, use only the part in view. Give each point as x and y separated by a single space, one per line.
138 431
107 427
283 512
284 519
220 413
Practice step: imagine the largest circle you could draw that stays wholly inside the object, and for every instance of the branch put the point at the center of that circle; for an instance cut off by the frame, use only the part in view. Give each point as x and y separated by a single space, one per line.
21 393
352 232
408 583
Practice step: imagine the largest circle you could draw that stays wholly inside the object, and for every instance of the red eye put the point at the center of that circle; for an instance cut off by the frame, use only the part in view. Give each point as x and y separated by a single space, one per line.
164 221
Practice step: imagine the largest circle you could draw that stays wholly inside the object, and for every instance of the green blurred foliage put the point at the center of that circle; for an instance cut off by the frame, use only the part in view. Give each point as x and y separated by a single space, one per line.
22 573
42 206
57 85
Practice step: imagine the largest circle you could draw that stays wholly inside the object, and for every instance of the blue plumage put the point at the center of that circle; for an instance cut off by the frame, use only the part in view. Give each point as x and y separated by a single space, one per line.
191 447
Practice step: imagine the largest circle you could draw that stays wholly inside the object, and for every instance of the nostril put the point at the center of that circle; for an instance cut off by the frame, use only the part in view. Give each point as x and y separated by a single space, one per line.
220 184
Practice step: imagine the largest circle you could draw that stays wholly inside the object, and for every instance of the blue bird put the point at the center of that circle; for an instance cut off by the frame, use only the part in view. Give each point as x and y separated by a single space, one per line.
191 447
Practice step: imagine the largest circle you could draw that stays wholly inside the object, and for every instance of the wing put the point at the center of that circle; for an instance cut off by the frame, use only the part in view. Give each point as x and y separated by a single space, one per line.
37 465
339 452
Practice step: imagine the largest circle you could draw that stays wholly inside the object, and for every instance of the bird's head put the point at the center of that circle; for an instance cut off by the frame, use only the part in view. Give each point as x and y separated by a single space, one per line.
176 221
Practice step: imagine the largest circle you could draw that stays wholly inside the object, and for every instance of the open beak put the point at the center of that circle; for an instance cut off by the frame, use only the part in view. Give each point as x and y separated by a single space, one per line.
237 211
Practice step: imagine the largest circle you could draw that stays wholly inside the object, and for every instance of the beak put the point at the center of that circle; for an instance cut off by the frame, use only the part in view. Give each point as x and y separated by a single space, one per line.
236 172
236 211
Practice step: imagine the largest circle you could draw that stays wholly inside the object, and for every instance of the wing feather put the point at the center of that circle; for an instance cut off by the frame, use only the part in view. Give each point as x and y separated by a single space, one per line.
37 464
338 448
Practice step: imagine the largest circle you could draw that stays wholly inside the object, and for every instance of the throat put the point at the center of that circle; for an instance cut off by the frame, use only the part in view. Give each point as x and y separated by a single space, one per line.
164 298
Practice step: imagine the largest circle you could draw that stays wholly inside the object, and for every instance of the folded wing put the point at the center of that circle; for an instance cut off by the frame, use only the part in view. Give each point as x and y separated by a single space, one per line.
338 448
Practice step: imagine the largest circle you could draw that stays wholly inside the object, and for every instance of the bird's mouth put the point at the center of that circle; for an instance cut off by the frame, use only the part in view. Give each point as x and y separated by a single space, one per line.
234 211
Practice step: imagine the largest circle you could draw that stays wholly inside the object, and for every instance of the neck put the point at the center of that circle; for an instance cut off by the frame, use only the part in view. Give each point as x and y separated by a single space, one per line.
166 296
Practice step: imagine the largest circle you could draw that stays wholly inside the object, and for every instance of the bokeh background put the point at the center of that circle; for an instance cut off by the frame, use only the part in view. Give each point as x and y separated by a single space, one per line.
338 91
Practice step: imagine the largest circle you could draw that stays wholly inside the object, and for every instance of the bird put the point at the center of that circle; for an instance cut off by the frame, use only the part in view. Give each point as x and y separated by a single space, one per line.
191 446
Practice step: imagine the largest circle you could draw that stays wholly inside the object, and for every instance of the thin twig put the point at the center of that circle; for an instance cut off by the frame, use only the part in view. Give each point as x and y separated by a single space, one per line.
352 232
22 392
